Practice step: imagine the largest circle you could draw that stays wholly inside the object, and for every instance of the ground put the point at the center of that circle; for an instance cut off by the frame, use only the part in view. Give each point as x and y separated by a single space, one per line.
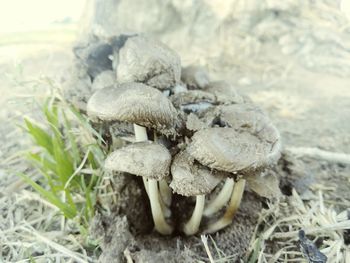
305 92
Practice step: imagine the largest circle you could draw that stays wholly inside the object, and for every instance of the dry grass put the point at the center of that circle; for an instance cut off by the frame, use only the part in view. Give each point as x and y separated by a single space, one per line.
276 235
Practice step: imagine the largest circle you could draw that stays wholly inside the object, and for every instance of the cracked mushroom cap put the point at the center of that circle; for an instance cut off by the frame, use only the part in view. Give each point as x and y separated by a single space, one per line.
229 150
148 61
190 178
246 117
134 103
146 159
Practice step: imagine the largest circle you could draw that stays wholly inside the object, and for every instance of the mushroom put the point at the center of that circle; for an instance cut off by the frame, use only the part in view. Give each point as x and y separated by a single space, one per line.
135 103
237 152
138 104
195 77
149 160
192 179
148 61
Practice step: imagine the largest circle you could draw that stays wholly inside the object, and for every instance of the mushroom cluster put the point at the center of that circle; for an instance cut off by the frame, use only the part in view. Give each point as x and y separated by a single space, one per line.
190 134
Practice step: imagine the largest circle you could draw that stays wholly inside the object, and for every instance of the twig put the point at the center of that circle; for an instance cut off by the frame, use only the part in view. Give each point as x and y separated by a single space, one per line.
320 154
205 243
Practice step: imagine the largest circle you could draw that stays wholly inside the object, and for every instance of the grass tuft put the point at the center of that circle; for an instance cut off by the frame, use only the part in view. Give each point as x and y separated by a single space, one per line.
68 154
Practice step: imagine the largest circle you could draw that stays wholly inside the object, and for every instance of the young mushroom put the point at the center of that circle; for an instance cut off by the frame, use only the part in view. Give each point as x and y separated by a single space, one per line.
139 104
151 161
192 179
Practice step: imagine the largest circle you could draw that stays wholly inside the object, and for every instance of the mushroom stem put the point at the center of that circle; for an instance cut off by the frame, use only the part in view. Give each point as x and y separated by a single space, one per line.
192 226
159 222
165 207
165 192
140 136
140 133
221 199
231 210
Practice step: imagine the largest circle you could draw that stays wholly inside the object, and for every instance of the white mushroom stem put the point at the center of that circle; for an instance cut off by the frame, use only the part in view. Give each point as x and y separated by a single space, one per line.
221 199
165 208
140 136
164 189
157 206
165 192
140 133
192 226
231 210
159 222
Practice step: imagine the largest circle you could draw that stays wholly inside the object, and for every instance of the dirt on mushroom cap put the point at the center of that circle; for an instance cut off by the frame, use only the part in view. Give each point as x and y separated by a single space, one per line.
190 178
226 149
148 61
251 118
134 103
147 159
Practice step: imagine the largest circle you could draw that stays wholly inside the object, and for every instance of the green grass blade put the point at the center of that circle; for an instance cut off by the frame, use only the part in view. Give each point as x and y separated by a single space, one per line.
64 165
42 162
53 199
41 137
72 139
85 123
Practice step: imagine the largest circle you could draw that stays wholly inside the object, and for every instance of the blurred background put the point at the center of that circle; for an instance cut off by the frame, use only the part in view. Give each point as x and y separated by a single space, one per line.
292 57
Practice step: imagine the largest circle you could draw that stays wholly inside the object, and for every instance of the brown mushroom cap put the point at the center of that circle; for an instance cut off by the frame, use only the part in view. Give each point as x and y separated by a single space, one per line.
134 103
190 178
195 77
224 92
147 159
146 60
227 149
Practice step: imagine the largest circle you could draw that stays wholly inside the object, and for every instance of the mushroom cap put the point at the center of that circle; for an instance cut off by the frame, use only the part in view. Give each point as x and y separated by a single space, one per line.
241 117
134 103
195 76
230 150
147 159
190 178
146 60
246 117
224 92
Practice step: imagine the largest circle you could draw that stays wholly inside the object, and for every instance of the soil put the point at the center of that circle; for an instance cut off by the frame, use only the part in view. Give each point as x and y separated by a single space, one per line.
131 216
